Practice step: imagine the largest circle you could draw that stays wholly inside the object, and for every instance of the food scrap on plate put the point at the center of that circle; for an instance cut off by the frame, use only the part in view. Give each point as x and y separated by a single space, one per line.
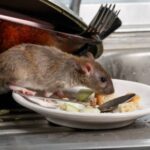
86 101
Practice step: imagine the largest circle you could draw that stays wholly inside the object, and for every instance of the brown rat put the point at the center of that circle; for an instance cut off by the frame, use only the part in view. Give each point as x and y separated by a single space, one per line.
49 69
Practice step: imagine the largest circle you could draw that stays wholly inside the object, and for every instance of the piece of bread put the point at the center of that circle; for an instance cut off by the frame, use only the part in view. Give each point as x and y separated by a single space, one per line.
103 98
130 106
135 100
127 107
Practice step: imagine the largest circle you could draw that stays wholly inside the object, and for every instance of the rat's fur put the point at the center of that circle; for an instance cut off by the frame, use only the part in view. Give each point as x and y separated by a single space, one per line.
49 69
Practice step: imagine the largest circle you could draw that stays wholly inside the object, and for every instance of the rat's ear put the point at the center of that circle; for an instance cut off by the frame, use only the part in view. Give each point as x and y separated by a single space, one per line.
87 68
83 68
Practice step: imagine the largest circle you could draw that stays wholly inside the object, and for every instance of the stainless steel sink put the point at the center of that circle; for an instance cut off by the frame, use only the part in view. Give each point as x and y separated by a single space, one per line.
128 64
35 132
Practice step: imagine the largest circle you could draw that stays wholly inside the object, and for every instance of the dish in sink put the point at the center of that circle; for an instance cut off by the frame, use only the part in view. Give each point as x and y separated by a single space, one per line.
96 120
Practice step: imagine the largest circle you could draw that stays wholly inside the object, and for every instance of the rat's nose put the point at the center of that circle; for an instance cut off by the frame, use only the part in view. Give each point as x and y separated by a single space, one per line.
109 89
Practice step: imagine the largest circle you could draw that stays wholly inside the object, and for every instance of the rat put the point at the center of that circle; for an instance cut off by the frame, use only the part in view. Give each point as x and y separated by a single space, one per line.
29 68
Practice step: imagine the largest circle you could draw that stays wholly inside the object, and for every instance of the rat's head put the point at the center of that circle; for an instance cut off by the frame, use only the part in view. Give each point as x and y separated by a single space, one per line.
93 75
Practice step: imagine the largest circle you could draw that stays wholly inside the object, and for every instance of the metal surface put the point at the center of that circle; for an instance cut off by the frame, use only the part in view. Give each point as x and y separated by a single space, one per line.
32 131
104 23
60 7
128 64
132 20
75 6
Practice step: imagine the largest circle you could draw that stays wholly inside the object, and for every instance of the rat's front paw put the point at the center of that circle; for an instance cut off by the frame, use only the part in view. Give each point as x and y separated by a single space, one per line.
56 94
22 90
48 94
59 94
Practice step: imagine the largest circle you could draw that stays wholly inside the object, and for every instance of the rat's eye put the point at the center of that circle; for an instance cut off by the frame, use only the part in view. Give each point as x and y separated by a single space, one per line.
103 79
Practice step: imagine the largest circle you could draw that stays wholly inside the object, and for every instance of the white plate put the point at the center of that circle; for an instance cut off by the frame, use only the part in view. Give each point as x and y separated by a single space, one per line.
96 121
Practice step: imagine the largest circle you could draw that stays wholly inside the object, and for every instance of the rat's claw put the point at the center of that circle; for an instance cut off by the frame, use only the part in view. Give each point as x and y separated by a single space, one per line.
22 90
47 94
59 94
28 92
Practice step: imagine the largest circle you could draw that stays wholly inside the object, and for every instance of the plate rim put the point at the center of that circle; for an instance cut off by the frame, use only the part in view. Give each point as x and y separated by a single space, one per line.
32 106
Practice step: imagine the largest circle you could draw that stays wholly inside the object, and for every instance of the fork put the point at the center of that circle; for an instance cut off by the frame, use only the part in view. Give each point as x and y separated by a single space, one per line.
103 21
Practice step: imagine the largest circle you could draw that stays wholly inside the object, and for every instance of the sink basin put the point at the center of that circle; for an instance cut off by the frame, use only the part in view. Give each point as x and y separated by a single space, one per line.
131 65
